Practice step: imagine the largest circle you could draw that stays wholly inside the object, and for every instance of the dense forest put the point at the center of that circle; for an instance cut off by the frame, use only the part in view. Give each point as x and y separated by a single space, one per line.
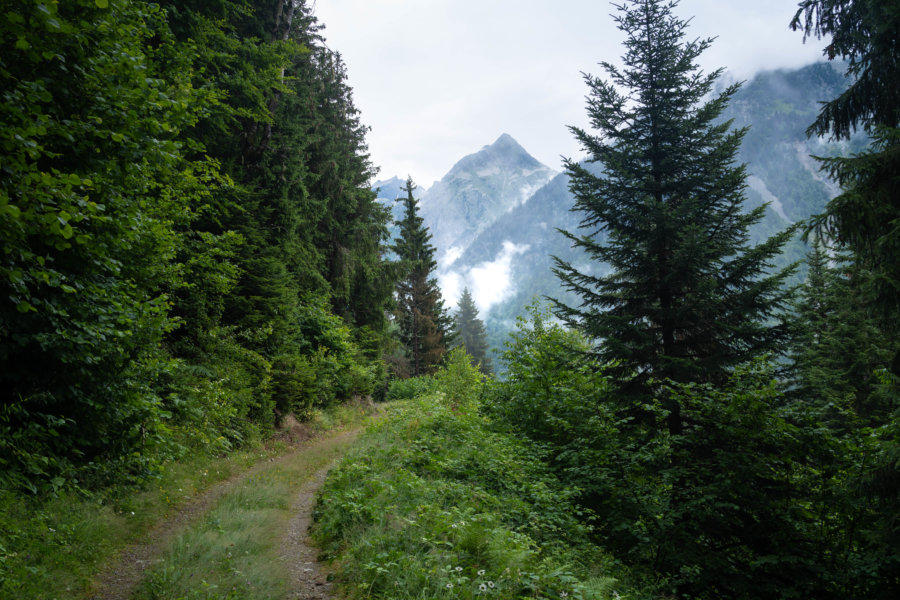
192 253
190 248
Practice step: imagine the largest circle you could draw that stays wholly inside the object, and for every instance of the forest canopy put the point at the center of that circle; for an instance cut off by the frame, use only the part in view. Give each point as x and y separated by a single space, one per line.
190 245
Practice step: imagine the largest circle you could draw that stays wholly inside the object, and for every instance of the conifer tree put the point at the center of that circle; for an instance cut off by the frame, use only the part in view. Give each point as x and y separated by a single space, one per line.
688 297
866 216
839 359
421 317
837 348
469 332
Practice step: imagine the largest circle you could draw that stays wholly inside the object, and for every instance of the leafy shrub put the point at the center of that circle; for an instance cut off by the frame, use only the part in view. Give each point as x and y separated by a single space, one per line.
94 182
552 393
411 388
435 504
460 380
730 505
326 367
218 400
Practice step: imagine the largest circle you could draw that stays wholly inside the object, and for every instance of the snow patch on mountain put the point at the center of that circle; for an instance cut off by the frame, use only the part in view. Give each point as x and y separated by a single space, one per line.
529 190
760 186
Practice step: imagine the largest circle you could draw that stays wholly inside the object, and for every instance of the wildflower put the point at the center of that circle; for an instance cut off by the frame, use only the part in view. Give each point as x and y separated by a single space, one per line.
449 586
482 587
481 572
490 584
453 526
564 594
459 568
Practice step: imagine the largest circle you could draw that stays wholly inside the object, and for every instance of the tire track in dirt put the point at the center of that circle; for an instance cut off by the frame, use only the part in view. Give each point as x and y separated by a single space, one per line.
120 578
308 580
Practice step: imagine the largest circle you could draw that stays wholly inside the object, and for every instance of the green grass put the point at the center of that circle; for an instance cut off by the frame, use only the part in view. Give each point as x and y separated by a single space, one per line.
433 503
54 547
233 551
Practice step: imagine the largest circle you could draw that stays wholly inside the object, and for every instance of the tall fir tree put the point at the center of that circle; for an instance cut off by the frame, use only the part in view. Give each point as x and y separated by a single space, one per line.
865 217
686 303
422 319
688 297
469 332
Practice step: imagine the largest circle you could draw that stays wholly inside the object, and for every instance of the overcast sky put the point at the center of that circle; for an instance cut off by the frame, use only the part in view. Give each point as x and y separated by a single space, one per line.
439 79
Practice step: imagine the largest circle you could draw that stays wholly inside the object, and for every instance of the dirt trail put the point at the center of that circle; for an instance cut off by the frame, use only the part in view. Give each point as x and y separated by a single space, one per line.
119 580
308 580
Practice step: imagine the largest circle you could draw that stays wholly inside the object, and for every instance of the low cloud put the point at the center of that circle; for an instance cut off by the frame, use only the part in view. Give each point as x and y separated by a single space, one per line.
490 282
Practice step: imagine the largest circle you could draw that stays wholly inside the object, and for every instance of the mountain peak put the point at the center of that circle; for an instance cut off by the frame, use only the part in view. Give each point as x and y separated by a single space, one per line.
505 153
506 140
506 144
478 189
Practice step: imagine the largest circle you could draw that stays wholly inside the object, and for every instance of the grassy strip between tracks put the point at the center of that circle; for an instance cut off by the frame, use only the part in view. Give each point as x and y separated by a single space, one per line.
54 547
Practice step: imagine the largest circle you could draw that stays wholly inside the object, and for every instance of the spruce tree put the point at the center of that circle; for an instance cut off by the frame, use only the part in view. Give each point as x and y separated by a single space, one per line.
865 217
687 298
469 332
420 313
837 347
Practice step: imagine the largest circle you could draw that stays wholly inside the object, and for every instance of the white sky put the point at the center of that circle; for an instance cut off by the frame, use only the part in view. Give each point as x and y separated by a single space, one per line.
438 79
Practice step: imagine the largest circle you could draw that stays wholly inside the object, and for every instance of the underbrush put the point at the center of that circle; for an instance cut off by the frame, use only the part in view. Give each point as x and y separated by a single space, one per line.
432 503
53 546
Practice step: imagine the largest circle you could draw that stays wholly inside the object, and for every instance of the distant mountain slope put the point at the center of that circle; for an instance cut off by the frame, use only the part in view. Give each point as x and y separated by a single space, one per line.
778 106
532 226
390 189
479 189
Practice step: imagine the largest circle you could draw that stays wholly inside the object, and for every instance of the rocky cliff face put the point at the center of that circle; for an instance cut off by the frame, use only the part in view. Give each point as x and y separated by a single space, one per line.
477 191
